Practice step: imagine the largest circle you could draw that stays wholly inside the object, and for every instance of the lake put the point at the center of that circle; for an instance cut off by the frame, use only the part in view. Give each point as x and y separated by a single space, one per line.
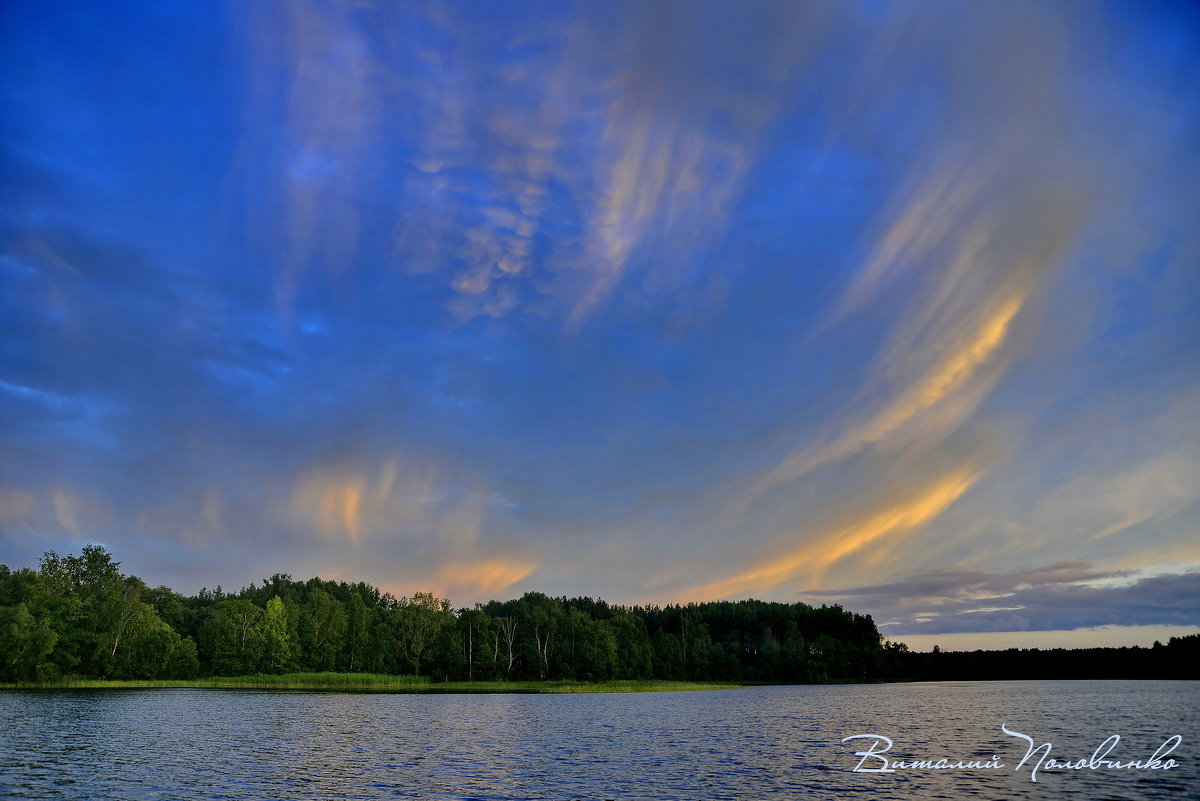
750 743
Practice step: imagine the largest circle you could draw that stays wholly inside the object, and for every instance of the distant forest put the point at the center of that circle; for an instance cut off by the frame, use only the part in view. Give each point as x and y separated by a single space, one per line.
80 616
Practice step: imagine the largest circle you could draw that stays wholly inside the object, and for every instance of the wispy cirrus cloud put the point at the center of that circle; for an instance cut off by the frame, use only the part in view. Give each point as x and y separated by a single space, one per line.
528 170
823 549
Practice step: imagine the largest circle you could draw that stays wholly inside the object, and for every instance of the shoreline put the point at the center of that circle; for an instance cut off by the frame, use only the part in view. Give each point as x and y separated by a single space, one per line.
413 685
376 683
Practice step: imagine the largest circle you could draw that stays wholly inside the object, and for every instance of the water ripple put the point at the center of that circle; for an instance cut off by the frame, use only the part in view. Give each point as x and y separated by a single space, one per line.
754 743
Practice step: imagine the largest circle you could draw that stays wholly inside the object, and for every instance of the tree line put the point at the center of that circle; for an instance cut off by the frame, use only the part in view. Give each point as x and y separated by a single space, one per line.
80 616
1179 658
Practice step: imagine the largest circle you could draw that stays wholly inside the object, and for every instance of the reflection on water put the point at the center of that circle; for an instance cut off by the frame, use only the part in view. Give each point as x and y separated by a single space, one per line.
754 743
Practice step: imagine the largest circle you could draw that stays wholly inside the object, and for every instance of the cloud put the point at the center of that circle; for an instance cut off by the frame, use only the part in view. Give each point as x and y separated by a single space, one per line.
482 579
949 376
667 176
407 523
824 549
345 504
928 215
1061 596
529 169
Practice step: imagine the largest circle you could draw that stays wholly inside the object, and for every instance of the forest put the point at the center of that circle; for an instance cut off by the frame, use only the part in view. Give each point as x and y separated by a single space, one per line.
79 616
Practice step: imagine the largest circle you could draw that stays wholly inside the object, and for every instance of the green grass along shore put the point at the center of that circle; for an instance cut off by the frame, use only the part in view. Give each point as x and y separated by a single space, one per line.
372 682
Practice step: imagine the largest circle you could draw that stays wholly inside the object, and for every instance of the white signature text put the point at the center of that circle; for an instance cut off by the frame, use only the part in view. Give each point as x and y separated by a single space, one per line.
1036 757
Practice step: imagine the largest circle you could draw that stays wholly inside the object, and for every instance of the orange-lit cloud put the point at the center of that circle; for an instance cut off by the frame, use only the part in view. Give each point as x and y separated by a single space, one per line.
949 375
66 509
479 578
339 506
823 550
349 504
412 526
59 508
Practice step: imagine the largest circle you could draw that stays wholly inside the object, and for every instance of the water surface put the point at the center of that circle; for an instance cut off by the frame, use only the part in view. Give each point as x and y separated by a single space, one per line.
752 743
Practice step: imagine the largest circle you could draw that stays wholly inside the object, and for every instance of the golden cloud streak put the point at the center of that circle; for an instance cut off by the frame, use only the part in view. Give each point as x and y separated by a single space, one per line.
485 576
341 505
345 504
950 375
822 552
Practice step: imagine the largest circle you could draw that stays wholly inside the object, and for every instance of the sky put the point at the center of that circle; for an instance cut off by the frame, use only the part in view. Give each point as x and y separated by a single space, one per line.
891 305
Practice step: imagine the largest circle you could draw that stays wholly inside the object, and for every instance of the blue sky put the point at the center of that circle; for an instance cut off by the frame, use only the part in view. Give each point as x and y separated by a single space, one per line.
885 304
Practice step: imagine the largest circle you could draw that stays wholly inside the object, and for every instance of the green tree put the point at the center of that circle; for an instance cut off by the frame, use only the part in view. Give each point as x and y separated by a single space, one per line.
668 655
769 655
506 644
700 652
91 573
475 630
278 639
794 655
634 653
79 595
232 637
152 650
184 662
541 616
575 630
119 616
381 654
322 630
25 644
170 606
417 624
358 633
595 650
